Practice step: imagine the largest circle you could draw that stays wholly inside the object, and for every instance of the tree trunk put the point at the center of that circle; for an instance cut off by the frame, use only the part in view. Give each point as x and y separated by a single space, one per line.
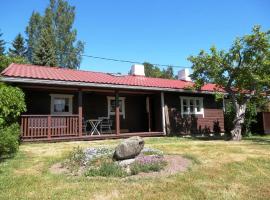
240 110
236 133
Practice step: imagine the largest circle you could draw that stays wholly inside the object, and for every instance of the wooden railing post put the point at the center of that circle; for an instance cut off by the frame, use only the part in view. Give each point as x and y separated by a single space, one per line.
117 113
49 126
80 112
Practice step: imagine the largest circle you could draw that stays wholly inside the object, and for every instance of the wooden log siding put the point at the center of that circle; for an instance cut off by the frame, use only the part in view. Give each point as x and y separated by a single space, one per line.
48 126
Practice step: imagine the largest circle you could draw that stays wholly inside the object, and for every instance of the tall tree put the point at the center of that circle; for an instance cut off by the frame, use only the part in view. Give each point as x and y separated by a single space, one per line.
33 31
18 47
168 73
242 71
45 53
61 16
6 60
2 45
151 70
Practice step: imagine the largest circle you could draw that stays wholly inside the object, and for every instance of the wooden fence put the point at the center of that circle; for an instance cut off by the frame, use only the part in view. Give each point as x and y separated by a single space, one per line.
49 126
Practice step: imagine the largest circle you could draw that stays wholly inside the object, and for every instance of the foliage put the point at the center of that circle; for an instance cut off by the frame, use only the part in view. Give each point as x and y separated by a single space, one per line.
11 104
243 69
9 140
107 168
2 45
153 71
75 159
18 47
229 117
33 31
250 116
6 60
55 28
147 164
96 152
45 51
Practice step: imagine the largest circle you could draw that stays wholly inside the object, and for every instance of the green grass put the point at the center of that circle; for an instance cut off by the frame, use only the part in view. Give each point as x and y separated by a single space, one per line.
227 170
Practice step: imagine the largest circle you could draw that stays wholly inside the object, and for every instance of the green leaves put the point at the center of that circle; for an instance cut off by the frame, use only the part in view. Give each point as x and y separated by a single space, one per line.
51 38
11 104
153 71
242 71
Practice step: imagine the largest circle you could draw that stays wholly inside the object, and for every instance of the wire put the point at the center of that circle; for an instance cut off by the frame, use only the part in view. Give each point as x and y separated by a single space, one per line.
125 61
129 61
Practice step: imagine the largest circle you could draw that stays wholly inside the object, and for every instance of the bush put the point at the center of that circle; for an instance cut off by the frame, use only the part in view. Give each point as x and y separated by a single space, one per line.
9 140
11 104
107 168
75 159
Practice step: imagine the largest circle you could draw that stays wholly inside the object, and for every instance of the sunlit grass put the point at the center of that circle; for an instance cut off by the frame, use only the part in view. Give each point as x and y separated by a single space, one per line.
225 170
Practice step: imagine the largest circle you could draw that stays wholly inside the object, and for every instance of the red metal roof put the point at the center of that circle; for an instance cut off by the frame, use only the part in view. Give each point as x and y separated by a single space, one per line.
63 74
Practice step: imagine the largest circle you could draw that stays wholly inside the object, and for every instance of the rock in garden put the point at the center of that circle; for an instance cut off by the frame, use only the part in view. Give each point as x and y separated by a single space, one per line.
129 148
127 162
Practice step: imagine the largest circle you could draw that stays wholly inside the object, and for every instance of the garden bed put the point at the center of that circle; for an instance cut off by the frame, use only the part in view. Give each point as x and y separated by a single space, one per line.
93 162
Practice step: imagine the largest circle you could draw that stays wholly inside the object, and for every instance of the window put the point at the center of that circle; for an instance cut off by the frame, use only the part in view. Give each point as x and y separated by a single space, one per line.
111 106
192 105
61 104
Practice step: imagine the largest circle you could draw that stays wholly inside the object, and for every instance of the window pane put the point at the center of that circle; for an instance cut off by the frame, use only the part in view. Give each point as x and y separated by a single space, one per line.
112 108
198 105
61 105
184 102
185 109
191 106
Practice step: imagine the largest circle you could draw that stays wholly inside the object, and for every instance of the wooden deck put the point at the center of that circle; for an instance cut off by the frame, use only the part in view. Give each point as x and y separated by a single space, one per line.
51 128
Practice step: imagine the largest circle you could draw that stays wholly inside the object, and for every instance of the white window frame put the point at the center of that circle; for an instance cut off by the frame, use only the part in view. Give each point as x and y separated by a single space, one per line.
123 113
195 99
70 103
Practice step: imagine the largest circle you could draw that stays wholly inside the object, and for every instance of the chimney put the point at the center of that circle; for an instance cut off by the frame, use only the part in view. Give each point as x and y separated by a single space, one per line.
184 75
137 70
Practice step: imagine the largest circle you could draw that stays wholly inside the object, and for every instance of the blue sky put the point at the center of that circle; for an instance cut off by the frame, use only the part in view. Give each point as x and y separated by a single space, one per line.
158 31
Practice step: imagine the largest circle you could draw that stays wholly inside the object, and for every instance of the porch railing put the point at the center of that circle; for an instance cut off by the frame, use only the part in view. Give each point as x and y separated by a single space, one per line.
48 126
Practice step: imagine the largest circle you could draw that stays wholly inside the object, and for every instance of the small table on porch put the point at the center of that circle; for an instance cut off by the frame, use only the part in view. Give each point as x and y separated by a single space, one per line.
94 126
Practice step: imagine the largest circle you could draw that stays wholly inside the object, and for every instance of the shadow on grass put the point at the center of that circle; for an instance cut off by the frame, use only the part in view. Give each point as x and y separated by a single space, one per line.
263 140
205 137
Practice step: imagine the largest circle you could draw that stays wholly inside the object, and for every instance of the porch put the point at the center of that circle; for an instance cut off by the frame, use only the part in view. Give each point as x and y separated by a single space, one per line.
133 113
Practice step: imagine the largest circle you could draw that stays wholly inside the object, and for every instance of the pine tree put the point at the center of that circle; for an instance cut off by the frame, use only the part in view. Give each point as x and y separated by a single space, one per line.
2 45
44 53
18 47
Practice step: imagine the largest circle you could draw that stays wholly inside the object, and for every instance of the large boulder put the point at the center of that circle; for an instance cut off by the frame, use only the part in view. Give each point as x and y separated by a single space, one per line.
129 148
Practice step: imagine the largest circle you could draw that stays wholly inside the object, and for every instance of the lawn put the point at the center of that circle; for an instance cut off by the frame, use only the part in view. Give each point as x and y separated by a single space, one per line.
220 170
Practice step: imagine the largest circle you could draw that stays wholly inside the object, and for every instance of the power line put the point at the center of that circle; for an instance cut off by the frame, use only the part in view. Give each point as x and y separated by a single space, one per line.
126 61
129 61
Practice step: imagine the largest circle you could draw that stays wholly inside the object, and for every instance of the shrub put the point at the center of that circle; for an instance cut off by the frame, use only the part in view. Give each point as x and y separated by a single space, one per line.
107 168
76 159
147 164
11 104
9 140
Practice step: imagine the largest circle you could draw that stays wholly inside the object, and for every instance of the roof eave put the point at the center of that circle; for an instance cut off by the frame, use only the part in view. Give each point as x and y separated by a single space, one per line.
96 85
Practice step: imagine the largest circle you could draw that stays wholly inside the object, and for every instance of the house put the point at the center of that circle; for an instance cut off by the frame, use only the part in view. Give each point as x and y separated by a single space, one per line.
61 101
